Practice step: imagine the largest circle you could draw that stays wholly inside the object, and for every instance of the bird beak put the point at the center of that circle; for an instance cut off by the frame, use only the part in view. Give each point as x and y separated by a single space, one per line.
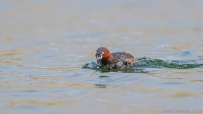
99 57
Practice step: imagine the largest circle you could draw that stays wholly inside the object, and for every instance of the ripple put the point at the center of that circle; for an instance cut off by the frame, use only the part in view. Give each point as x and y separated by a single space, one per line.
148 62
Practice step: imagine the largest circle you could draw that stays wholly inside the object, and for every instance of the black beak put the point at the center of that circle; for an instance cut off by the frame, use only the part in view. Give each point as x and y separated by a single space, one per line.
98 56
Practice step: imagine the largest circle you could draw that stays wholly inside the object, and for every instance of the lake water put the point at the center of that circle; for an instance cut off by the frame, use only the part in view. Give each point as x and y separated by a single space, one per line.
44 43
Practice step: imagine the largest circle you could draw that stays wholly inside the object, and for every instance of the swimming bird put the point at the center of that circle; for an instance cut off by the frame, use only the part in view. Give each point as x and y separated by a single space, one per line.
114 60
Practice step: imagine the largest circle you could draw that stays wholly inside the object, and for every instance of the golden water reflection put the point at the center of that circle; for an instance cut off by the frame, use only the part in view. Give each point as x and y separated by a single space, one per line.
44 43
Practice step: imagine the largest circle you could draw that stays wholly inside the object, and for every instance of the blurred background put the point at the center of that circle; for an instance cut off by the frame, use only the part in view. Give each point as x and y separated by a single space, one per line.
43 44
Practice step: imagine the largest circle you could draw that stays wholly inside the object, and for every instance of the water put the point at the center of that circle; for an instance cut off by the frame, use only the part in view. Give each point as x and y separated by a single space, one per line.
146 62
43 45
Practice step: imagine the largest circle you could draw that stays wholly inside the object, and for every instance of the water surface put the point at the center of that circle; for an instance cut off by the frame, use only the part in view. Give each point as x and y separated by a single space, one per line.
43 45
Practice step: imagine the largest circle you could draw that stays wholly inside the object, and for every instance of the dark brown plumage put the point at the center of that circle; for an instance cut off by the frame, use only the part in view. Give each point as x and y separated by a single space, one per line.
116 59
